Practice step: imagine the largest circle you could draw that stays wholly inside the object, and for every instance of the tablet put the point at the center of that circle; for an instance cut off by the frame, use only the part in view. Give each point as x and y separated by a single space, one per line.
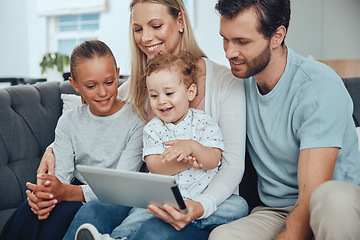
133 189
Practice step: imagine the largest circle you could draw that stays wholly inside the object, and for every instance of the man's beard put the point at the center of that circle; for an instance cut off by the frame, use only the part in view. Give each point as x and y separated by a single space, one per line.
256 65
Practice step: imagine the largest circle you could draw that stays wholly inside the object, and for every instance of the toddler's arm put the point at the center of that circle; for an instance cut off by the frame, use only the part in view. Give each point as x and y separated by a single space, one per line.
156 165
207 157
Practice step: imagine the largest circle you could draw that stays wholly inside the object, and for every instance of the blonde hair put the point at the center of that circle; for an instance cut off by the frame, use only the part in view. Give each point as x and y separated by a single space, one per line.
137 94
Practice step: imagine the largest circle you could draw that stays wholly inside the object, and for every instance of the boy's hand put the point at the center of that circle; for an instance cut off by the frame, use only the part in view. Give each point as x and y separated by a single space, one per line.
192 161
179 150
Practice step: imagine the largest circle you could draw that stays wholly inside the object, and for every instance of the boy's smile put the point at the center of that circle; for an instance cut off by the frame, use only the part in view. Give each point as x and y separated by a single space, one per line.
169 97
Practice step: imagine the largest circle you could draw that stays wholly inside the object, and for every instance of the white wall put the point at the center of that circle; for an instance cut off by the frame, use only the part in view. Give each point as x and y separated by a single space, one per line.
324 29
13 38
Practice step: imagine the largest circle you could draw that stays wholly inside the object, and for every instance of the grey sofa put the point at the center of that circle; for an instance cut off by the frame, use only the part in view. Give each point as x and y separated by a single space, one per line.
28 117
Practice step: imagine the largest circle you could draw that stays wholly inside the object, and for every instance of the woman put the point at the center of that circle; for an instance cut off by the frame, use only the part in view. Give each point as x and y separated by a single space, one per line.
163 26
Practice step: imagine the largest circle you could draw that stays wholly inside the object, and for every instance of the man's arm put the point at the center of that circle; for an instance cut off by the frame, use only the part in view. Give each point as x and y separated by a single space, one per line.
316 166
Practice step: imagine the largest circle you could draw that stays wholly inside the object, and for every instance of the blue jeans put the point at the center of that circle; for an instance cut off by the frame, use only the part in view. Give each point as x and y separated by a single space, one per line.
233 208
106 217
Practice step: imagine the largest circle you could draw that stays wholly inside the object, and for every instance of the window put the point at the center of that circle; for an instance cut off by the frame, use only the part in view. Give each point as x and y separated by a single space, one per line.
66 31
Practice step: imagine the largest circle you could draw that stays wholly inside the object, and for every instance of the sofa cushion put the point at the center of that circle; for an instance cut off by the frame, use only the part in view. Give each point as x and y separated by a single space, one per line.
28 116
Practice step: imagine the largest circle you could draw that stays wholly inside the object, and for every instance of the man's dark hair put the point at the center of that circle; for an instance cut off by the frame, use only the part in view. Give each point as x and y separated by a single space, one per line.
271 13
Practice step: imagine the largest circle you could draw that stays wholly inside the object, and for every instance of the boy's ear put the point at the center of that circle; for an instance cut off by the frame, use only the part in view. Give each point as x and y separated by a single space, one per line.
192 90
73 83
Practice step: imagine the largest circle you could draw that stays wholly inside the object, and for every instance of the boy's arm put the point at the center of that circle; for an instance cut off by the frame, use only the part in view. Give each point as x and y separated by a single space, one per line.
208 157
316 165
156 165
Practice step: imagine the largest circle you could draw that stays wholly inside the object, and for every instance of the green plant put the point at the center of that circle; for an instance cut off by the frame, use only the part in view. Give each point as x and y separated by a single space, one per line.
54 59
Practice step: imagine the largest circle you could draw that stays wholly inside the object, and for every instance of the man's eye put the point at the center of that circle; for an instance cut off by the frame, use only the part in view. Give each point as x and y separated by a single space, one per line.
109 83
90 86
169 93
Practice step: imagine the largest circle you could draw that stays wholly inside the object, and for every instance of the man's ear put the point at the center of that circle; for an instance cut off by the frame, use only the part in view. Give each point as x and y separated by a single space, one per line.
192 90
278 36
73 83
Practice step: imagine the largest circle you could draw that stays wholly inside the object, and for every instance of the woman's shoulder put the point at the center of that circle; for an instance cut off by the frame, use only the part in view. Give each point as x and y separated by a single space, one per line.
220 76
219 71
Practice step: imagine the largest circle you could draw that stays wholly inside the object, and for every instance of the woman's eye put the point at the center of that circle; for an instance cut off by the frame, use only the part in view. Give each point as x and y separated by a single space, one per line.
157 26
90 86
153 95
137 29
109 83
169 93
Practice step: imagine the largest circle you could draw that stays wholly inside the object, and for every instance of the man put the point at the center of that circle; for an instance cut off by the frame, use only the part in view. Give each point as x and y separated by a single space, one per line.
300 131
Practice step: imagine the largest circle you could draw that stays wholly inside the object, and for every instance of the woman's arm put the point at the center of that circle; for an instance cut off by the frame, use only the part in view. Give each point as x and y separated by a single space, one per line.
226 103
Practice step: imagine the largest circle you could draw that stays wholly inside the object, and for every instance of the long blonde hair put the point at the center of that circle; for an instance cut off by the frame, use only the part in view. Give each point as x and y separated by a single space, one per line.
137 91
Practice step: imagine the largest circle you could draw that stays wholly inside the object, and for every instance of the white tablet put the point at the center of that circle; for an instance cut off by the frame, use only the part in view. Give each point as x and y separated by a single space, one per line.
133 189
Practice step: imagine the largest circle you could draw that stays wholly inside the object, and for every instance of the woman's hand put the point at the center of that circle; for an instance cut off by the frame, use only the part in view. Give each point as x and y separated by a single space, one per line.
47 164
174 216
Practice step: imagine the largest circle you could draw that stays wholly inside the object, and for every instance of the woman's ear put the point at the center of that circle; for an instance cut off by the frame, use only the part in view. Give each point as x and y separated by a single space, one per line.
73 83
180 22
192 90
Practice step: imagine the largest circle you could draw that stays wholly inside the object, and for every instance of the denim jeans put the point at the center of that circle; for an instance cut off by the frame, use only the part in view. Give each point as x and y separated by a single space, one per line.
104 216
107 217
233 208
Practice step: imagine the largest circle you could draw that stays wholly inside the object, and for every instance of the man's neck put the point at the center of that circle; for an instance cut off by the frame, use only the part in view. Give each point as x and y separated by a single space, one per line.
269 77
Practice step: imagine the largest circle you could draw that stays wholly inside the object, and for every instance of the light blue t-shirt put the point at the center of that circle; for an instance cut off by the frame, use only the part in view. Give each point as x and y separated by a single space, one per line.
308 108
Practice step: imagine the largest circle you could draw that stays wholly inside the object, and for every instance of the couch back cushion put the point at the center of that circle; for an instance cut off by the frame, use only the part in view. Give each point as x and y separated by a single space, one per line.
28 117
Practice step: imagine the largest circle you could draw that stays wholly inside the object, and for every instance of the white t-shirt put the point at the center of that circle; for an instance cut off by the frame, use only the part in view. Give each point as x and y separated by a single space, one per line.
225 102
197 125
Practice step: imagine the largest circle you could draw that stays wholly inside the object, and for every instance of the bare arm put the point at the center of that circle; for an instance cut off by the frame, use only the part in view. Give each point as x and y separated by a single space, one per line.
156 165
316 166
208 157
47 164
